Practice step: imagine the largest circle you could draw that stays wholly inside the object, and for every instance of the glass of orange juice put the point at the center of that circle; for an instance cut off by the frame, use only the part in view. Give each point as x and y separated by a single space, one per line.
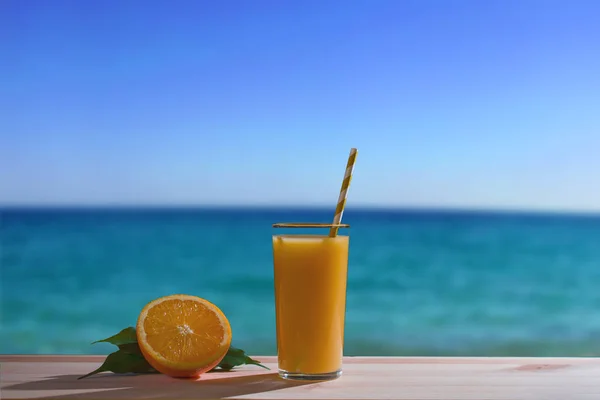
310 271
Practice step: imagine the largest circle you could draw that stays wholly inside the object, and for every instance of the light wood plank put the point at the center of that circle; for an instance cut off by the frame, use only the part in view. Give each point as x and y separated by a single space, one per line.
410 378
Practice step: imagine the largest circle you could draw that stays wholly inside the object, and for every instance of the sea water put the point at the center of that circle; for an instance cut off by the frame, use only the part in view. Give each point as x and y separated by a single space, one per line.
419 282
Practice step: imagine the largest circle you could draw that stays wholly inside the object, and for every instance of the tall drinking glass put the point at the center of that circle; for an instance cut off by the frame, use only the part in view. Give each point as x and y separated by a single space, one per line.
311 270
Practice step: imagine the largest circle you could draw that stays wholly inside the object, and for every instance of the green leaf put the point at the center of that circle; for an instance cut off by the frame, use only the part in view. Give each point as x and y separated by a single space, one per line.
129 358
131 348
126 336
121 362
234 358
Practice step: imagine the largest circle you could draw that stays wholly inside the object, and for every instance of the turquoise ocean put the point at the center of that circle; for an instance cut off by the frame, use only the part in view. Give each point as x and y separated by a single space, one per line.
420 282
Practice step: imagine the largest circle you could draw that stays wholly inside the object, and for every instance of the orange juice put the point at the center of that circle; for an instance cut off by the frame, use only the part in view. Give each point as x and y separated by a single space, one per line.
310 301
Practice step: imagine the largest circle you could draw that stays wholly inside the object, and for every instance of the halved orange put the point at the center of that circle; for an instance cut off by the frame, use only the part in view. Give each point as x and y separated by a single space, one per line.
183 336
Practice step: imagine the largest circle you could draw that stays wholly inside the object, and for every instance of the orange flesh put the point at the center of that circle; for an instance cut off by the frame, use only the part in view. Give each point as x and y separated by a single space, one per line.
183 333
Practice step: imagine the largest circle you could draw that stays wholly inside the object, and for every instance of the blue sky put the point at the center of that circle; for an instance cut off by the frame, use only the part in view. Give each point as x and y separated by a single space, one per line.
492 104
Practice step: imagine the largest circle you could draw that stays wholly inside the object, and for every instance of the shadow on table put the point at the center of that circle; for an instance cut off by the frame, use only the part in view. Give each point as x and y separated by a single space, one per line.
155 386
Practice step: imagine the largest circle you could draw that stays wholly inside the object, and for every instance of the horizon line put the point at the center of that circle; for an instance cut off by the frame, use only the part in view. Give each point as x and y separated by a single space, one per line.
299 207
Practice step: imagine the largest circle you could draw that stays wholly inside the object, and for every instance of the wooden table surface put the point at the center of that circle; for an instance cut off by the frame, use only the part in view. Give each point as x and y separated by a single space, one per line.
414 378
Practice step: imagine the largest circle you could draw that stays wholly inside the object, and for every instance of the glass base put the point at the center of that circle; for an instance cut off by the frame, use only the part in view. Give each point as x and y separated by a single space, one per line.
310 377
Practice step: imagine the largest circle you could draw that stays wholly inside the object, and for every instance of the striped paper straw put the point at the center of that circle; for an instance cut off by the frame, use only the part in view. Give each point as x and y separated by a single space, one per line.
339 210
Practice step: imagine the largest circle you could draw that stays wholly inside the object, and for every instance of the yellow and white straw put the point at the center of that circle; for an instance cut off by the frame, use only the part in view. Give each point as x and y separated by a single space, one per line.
339 210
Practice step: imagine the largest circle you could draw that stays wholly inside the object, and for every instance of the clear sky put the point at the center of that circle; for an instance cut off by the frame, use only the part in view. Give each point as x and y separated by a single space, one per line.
492 104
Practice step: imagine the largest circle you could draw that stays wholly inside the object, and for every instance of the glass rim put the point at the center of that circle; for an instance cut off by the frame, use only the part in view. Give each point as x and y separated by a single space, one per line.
309 225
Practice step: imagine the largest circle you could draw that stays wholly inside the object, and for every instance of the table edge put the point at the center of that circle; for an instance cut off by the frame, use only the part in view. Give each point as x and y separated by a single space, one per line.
56 358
